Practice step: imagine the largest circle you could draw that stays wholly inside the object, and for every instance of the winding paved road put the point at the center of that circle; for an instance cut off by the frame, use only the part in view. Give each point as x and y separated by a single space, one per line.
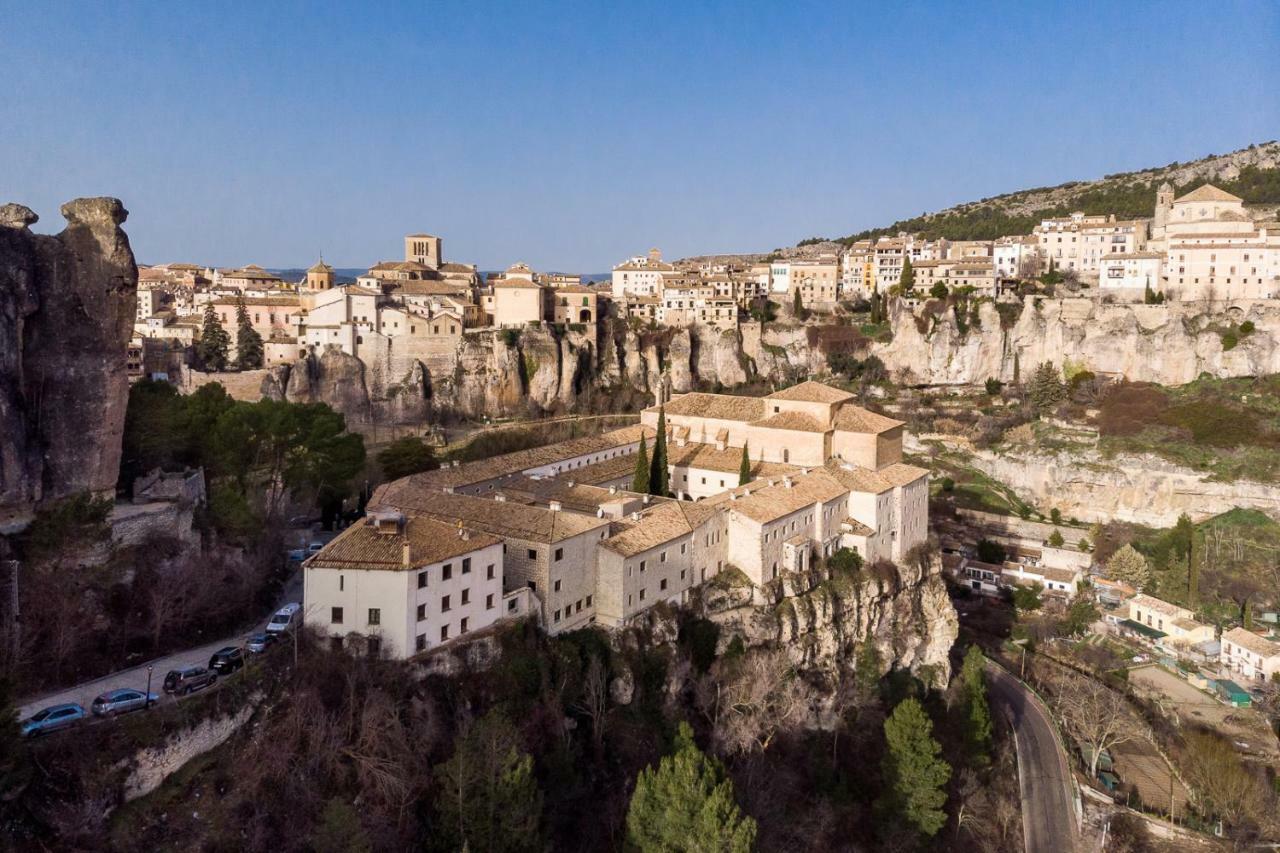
136 676
1044 776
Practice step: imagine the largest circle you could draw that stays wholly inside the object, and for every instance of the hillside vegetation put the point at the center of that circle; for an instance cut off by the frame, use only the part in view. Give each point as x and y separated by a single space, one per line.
1252 173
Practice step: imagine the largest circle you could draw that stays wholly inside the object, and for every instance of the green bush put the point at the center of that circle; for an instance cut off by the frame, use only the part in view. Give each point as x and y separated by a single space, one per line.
1229 340
1247 327
948 484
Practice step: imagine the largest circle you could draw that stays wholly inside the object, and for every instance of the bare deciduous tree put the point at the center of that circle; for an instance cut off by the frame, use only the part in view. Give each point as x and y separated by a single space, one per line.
595 698
1094 714
763 695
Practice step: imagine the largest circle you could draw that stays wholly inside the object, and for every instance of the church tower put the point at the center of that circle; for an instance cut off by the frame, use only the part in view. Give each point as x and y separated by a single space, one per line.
426 249
1164 204
320 277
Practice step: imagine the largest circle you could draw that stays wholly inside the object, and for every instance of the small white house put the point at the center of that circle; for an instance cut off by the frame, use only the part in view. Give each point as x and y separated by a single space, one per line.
396 586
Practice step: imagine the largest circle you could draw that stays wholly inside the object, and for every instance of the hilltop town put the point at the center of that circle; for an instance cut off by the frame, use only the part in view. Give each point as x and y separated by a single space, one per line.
1021 487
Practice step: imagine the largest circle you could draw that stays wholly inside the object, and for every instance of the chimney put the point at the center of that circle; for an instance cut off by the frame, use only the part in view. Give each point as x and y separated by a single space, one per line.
453 464
733 496
786 482
555 506
613 490
406 554
635 516
500 498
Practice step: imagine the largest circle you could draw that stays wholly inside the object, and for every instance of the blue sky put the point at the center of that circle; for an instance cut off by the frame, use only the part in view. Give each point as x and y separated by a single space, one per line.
572 135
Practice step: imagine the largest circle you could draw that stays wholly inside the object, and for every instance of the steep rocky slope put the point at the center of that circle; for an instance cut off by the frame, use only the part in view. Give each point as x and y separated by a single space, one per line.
541 371
67 305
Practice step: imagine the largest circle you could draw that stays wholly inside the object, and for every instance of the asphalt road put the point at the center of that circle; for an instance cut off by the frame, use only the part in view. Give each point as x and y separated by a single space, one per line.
136 677
1044 776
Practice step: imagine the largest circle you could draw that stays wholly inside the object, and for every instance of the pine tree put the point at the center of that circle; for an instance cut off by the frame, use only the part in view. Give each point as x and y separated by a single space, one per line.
214 340
744 468
908 278
1129 566
687 803
914 775
248 341
640 480
877 309
977 710
658 473
1047 389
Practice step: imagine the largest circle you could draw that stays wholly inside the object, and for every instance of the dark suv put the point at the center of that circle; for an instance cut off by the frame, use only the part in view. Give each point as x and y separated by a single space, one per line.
183 681
226 661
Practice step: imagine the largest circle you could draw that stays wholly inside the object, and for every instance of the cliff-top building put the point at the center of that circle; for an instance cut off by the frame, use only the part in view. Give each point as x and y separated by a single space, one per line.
578 548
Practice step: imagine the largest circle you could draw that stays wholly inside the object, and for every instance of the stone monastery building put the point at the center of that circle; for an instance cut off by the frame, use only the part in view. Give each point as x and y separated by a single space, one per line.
577 548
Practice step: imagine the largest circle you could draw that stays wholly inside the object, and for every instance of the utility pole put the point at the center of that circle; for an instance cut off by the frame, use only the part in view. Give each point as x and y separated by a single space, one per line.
15 625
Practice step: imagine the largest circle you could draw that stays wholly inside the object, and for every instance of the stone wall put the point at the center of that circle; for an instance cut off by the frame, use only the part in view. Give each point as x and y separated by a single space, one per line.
151 766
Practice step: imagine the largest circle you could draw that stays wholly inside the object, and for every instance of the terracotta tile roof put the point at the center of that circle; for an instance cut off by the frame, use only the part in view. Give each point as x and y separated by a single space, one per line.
518 284
1208 192
657 525
725 407
361 546
857 528
859 479
606 470
500 518
1246 639
513 463
571 492
1157 605
763 502
791 420
851 418
729 460
812 392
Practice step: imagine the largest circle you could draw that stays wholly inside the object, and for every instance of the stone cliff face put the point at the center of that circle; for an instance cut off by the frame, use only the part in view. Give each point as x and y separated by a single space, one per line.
1169 344
538 370
820 620
1142 489
67 305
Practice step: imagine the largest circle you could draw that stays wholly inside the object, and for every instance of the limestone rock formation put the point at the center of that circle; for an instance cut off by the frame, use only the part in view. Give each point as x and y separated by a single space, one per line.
67 305
821 619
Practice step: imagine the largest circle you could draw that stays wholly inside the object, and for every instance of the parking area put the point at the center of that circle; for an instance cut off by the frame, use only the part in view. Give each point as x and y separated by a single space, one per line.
1192 705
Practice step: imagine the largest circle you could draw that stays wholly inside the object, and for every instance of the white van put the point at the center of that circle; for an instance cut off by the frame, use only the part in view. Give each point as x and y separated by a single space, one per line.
284 618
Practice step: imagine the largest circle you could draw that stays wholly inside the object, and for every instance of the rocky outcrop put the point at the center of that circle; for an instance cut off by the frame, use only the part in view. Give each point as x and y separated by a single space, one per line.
1141 489
821 618
151 766
1169 344
67 305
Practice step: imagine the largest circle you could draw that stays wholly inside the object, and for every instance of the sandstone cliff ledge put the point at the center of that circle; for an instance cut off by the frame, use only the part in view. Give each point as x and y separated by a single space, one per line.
67 305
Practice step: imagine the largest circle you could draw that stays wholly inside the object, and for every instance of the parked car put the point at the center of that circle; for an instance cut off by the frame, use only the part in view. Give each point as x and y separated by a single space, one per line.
300 554
121 701
285 618
182 681
52 718
227 660
259 643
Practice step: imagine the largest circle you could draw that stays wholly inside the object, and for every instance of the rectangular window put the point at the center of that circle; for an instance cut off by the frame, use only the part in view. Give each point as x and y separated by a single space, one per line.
335 615
422 579
682 548
445 607
488 601
662 557
446 571
577 608
588 601
444 633
341 582
642 562
466 565
463 627
420 642
559 554
466 596
556 616
642 595
662 584
422 612
488 572
533 555
375 616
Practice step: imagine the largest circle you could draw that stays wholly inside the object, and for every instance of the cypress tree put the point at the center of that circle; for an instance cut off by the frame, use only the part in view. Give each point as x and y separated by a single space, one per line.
640 480
248 341
908 278
744 469
915 777
658 473
214 340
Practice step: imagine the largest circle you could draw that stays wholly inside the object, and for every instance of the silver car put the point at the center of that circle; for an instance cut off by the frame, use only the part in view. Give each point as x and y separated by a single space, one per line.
122 701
